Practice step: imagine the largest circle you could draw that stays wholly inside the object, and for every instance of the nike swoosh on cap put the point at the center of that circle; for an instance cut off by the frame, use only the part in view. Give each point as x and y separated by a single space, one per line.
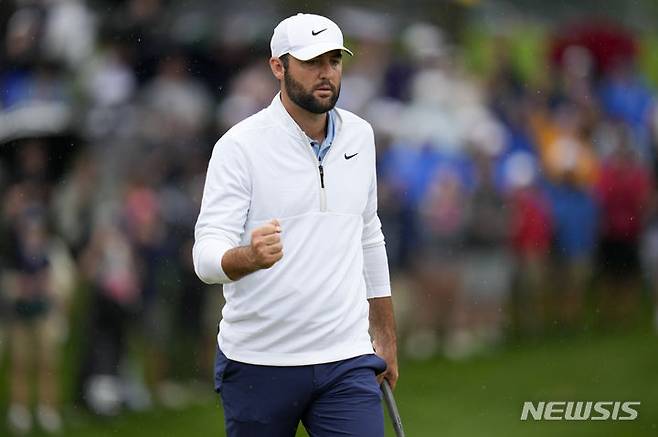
314 33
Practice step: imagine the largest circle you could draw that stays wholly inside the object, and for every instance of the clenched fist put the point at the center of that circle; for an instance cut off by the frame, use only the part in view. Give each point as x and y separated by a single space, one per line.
266 247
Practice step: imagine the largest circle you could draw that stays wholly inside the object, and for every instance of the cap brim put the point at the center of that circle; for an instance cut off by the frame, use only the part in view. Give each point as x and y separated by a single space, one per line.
311 52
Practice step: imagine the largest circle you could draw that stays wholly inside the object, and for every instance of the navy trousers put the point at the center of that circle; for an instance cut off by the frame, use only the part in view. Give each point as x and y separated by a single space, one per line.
332 399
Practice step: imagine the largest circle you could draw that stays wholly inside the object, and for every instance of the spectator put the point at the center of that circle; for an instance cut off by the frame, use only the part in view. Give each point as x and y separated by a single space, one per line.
439 265
576 221
109 263
623 192
33 337
530 237
487 260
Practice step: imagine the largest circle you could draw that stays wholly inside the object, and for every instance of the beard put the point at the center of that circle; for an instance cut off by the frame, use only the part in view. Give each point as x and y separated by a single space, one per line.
306 99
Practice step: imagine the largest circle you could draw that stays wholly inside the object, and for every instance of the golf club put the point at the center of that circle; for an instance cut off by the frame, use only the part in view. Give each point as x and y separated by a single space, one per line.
392 408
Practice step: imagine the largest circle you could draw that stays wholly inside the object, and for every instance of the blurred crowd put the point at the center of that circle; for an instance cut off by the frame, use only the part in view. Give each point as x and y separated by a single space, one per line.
511 205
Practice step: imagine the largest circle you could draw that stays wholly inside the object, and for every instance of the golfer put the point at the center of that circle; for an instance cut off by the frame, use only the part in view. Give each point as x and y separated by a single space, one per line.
289 225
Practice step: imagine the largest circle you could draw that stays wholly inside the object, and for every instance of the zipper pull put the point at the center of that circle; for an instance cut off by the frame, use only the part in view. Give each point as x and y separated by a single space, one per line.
321 175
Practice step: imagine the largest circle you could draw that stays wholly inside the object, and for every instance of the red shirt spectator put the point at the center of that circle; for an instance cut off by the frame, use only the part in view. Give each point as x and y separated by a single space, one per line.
623 190
531 223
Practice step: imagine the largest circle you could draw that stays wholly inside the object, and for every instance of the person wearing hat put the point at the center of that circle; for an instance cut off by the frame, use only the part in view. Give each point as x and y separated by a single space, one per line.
289 225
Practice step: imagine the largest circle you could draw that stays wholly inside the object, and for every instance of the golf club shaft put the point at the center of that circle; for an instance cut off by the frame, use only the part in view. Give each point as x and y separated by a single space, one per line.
392 409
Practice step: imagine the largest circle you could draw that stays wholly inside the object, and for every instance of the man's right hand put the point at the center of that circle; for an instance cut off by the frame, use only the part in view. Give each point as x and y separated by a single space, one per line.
266 247
263 252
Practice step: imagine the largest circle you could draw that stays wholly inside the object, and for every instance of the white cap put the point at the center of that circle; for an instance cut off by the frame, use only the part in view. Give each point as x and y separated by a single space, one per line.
306 36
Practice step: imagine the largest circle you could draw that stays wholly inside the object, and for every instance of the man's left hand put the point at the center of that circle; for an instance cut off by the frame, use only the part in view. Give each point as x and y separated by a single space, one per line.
389 354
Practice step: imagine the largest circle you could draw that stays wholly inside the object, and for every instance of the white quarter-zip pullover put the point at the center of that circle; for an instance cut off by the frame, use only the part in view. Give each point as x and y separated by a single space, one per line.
310 307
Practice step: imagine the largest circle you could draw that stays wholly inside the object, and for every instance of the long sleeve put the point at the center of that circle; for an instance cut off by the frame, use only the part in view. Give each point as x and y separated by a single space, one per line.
224 207
375 260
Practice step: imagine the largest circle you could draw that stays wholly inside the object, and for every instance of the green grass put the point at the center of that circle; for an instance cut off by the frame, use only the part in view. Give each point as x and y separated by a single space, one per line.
484 397
480 397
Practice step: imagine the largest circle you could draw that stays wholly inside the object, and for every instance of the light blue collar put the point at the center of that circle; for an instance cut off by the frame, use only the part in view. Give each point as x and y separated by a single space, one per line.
322 149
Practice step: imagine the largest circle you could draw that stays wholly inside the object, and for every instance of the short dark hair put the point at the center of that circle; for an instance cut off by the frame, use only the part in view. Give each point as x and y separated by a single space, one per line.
284 60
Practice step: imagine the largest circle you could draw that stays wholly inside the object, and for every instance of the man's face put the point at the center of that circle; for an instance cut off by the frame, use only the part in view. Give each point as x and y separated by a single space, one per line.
314 84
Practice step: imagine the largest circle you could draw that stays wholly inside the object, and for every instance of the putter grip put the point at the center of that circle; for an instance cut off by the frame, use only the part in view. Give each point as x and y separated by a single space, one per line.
392 408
